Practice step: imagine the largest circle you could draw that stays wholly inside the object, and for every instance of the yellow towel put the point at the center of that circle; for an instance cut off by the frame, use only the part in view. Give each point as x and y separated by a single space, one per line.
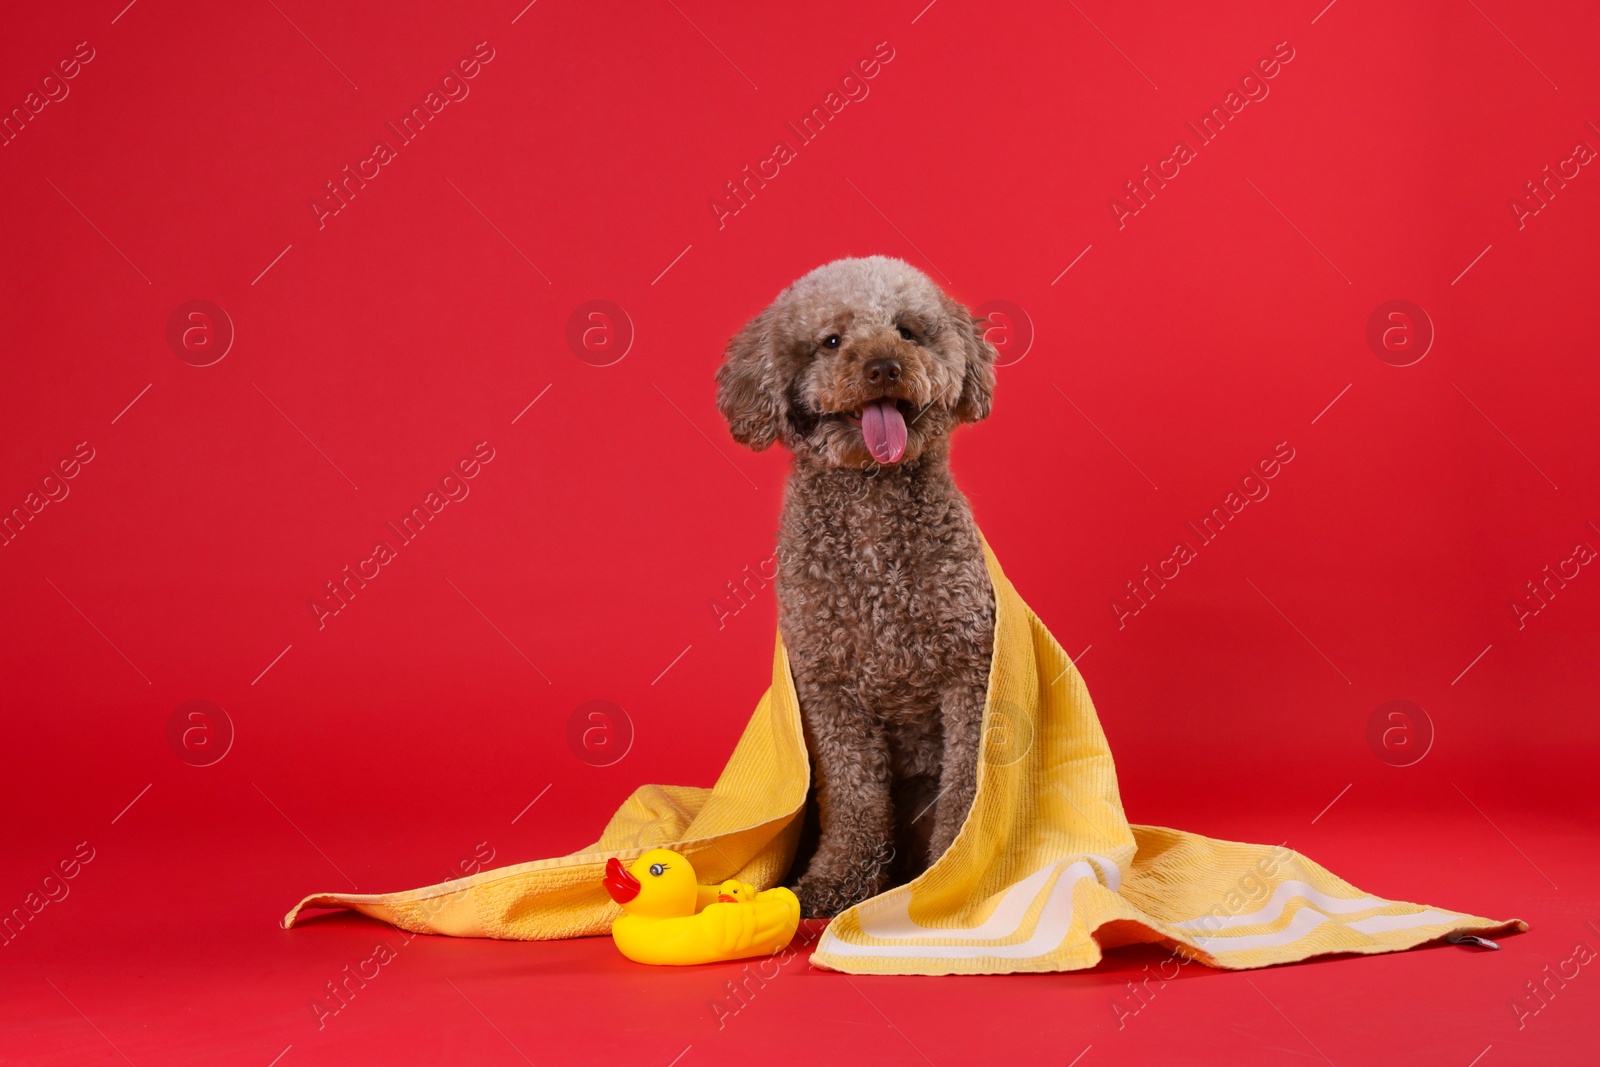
1045 874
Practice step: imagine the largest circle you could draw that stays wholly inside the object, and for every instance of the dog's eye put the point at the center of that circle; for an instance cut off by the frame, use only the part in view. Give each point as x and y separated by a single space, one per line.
831 341
906 334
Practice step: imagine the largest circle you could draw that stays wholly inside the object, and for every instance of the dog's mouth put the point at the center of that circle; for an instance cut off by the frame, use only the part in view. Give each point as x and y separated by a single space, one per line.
883 427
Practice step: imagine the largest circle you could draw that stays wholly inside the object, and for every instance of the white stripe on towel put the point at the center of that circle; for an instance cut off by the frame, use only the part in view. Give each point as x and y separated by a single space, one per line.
1273 908
1308 919
890 917
1054 920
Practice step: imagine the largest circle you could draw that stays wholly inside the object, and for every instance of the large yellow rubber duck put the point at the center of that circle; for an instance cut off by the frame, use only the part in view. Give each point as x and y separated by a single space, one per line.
669 918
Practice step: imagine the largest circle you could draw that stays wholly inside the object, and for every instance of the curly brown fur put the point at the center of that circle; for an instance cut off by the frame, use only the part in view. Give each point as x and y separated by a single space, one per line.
884 600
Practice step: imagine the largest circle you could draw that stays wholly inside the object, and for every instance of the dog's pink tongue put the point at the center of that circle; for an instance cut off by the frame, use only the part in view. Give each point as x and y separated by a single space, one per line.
884 429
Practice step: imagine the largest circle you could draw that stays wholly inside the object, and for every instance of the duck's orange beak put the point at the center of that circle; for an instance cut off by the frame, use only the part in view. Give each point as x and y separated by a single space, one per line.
622 885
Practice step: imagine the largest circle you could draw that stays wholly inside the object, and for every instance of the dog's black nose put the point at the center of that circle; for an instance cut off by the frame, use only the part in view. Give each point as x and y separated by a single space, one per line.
883 371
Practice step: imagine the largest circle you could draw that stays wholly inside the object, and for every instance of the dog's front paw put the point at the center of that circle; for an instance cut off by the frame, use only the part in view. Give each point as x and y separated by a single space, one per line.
826 892
822 898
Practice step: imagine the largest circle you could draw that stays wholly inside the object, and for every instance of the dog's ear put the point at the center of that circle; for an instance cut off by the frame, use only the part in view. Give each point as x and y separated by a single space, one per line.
977 380
747 393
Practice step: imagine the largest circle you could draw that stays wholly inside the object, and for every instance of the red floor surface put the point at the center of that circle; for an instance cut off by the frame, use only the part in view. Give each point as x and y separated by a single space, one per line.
167 951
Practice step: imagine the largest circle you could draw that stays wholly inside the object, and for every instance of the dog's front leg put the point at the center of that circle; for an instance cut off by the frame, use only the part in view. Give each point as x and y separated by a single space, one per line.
961 708
849 755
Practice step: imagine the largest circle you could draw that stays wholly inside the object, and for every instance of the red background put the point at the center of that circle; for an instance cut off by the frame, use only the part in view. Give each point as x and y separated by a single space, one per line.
374 352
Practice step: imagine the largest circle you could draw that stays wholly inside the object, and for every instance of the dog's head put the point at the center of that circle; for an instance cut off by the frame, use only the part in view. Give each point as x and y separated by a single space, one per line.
861 361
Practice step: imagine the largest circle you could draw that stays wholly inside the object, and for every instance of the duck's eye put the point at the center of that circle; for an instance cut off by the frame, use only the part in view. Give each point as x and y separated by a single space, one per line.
657 869
831 341
906 334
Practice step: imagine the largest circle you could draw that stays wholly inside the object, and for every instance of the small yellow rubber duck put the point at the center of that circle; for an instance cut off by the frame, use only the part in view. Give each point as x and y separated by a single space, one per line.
669 918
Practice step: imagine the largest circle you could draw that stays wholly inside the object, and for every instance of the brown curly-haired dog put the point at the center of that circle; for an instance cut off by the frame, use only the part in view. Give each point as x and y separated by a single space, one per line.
862 368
